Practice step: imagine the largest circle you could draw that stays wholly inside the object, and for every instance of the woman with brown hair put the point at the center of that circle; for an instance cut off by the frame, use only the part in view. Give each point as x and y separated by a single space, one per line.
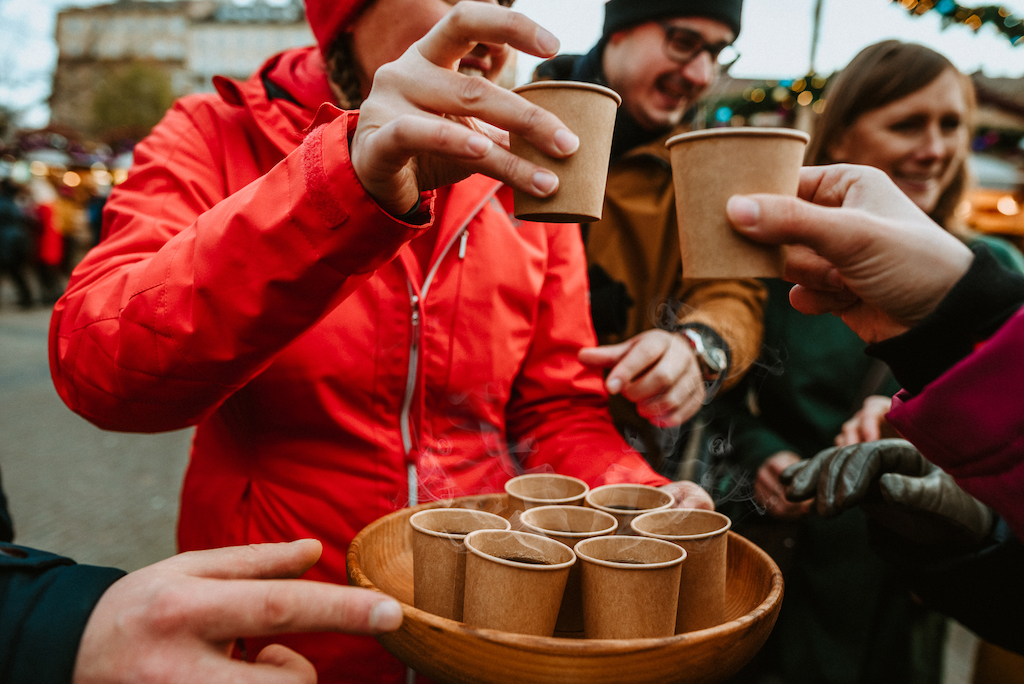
905 109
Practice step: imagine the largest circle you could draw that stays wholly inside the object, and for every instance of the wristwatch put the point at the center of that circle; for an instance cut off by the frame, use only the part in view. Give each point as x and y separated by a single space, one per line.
711 351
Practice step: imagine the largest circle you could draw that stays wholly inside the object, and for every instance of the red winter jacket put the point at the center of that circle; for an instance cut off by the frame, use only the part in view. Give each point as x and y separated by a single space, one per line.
247 285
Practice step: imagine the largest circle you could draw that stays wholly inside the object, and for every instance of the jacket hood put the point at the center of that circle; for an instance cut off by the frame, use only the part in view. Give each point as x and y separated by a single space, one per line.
284 96
328 18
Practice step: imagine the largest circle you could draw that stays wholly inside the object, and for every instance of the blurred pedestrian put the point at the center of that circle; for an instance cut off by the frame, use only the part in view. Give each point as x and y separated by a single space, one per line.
49 242
14 242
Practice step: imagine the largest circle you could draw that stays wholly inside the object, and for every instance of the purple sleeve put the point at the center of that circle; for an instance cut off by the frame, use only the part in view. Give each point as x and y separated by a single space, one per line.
970 422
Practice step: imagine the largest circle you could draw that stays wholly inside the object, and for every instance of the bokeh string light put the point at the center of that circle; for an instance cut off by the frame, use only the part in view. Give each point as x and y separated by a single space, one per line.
996 16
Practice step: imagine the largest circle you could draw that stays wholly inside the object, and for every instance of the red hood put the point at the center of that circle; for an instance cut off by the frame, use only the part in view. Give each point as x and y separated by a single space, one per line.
298 81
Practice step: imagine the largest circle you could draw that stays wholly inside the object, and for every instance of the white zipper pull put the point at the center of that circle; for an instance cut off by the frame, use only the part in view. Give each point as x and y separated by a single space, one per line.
462 245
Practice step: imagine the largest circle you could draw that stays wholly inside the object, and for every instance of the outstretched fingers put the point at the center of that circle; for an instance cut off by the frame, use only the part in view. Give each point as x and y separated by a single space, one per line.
255 561
470 23
226 610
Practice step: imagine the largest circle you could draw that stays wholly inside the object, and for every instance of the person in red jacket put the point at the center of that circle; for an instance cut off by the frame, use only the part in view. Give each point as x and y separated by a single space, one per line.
340 300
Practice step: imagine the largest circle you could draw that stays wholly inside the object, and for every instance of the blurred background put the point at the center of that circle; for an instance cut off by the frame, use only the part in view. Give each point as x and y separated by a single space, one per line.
82 81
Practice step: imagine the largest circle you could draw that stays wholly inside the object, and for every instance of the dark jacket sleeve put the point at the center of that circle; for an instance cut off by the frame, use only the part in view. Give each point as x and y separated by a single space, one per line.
982 301
981 589
45 601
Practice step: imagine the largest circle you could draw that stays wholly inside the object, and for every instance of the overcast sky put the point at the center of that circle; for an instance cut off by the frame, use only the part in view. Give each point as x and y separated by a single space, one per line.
774 44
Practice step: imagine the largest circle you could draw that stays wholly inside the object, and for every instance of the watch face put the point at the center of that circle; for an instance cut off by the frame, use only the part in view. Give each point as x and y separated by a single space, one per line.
715 358
711 357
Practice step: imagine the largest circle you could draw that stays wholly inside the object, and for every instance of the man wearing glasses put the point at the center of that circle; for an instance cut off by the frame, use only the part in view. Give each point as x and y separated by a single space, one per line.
671 342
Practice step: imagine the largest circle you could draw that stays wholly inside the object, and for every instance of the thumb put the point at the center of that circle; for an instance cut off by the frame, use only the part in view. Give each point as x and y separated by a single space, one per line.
605 356
278 656
778 219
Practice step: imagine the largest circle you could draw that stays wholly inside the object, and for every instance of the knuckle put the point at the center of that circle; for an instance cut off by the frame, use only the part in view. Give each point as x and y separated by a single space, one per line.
278 613
459 17
166 611
473 90
388 75
532 117
512 167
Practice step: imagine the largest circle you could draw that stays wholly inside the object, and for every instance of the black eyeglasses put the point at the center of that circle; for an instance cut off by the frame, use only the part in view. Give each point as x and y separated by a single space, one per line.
683 45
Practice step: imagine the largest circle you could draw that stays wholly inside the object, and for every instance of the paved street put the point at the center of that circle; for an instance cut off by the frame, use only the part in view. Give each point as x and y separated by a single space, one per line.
100 497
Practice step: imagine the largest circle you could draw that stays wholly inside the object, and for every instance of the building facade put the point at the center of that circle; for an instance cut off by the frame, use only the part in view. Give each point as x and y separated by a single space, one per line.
160 50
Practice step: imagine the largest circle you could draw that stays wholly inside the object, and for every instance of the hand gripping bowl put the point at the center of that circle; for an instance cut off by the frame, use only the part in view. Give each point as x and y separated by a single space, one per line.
450 652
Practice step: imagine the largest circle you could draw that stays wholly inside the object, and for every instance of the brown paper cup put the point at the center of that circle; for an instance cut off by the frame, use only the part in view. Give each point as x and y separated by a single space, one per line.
702 534
544 489
569 525
588 110
439 556
626 501
515 581
709 167
630 587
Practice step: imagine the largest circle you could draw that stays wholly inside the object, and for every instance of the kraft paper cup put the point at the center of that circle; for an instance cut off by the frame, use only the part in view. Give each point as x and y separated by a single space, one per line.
588 110
709 167
544 489
630 586
569 525
627 501
515 581
702 534
439 556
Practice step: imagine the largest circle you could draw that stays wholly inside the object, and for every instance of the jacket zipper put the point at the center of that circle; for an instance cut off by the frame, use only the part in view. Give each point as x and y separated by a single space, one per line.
462 234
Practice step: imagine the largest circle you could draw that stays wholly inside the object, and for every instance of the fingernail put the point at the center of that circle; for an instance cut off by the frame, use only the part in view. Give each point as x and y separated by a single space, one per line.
385 616
566 141
479 145
547 42
614 385
545 181
743 211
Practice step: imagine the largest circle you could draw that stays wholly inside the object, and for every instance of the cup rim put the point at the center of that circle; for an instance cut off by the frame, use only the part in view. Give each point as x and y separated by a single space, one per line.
740 131
682 537
577 85
609 530
533 499
620 512
627 540
452 535
473 536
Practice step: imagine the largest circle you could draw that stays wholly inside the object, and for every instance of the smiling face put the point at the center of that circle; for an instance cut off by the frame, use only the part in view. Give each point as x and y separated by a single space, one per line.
920 140
655 90
380 37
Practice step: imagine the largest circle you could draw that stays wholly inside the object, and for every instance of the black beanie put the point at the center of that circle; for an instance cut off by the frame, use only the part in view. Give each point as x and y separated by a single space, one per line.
622 14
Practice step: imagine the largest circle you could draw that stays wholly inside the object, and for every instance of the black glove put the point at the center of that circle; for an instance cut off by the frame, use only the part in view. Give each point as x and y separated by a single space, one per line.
897 488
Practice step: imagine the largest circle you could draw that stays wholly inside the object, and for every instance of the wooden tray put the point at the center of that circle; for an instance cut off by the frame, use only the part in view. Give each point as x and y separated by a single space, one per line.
450 652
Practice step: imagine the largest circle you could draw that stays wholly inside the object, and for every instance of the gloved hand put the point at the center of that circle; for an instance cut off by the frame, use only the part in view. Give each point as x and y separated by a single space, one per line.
894 484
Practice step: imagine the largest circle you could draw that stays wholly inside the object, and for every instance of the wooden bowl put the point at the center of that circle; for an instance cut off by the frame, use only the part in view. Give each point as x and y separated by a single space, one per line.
447 651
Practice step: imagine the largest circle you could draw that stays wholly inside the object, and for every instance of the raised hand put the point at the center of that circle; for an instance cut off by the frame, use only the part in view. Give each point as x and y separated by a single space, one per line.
869 254
425 125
